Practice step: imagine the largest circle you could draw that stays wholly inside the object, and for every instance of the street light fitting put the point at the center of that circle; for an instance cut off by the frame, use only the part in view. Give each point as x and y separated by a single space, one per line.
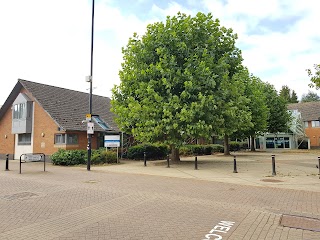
88 78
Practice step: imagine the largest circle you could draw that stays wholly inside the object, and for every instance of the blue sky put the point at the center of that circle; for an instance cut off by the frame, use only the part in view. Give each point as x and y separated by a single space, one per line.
49 41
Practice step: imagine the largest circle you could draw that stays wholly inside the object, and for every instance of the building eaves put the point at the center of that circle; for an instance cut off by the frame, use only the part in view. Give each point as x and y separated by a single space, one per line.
68 108
12 96
310 111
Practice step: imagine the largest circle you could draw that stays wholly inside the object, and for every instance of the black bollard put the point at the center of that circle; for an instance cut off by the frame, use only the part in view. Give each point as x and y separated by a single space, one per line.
235 164
319 166
196 163
273 165
145 158
168 164
7 162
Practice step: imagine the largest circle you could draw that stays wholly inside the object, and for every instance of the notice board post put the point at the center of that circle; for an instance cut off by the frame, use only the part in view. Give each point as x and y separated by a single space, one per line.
112 141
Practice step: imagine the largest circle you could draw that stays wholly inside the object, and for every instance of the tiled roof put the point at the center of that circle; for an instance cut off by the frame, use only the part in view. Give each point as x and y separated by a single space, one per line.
309 110
68 107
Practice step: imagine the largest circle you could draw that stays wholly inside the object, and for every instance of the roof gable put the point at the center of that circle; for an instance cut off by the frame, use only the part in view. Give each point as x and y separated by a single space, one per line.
12 96
67 107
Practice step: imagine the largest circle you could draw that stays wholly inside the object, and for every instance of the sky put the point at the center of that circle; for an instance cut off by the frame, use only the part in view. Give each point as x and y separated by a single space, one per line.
49 41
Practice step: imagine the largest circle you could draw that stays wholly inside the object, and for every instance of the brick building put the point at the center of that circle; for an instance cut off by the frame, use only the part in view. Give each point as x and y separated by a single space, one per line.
310 113
38 118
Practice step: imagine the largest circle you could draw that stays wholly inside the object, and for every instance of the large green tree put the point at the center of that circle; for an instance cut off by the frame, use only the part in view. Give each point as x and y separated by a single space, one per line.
234 108
255 92
310 97
279 117
174 79
290 96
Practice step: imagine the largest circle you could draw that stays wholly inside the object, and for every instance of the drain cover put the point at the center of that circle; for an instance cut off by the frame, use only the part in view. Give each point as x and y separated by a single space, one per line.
22 195
300 222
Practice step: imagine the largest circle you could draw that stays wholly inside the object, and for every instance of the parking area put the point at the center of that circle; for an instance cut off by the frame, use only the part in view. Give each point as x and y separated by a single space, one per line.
130 201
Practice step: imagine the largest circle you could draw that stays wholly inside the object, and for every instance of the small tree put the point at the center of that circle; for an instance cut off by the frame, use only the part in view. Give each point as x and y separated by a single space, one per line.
288 95
294 97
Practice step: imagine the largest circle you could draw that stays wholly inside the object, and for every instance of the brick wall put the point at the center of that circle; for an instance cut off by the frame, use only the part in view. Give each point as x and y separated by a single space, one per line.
314 135
6 137
44 130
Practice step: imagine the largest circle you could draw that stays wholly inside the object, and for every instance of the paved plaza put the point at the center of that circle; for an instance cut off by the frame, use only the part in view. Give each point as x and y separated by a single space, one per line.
130 201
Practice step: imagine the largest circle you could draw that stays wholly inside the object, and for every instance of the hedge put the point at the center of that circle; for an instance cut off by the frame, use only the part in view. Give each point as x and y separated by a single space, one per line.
76 157
200 149
68 157
153 151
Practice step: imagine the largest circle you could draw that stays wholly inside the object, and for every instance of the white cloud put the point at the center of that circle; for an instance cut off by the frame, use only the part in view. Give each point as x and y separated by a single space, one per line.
172 9
49 41
277 57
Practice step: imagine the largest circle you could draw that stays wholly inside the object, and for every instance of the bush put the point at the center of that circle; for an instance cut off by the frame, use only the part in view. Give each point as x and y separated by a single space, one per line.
234 146
153 151
217 148
75 157
188 150
68 157
102 156
185 150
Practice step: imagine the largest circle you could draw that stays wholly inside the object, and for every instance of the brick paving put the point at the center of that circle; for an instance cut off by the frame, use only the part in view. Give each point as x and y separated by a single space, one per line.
129 201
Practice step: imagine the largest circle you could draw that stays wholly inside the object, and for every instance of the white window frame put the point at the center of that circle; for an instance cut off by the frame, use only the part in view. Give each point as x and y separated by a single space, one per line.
20 111
315 124
66 139
306 124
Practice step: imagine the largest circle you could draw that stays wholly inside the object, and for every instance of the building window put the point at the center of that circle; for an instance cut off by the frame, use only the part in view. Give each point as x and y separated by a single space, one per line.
315 123
277 142
306 125
19 111
60 139
24 139
72 139
63 138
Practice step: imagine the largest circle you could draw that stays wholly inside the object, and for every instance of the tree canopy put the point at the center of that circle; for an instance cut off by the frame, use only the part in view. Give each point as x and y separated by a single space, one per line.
310 97
184 79
254 92
279 117
179 80
289 96
314 76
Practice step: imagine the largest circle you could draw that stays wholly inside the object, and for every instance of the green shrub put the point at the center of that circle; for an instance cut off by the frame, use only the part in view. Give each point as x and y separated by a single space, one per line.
75 157
185 150
208 149
68 157
217 148
234 146
244 145
153 151
196 149
102 156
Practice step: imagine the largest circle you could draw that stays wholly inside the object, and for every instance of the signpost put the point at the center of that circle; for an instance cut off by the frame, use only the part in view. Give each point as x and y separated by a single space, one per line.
112 141
90 128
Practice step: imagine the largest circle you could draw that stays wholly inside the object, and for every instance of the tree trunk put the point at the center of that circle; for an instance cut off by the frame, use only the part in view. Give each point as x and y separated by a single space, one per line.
226 145
252 144
175 154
